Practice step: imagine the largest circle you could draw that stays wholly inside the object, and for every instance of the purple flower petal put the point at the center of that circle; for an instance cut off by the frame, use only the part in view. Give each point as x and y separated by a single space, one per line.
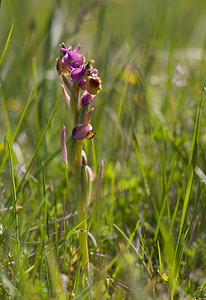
82 84
77 74
86 99
94 72
77 48
75 60
71 58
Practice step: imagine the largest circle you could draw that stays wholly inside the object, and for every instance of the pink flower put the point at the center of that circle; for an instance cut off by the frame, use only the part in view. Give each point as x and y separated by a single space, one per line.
71 58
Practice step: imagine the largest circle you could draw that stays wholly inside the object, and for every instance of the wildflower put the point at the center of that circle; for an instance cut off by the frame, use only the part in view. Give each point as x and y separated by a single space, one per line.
79 73
163 276
87 78
82 131
71 58
178 79
86 99
93 82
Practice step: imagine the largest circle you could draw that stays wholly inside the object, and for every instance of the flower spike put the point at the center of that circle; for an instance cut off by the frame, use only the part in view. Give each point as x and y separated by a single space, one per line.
82 84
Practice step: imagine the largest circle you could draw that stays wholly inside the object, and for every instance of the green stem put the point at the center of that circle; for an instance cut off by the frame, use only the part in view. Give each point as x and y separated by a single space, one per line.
15 197
82 211
81 195
82 208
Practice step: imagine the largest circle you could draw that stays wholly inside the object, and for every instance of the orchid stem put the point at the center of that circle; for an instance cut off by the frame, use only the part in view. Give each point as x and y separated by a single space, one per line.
82 210
83 235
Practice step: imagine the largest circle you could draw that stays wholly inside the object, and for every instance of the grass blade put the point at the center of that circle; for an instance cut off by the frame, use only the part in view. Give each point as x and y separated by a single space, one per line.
20 187
7 43
14 195
17 128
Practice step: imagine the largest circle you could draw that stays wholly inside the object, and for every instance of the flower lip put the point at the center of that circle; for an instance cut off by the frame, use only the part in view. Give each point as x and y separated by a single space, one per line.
93 84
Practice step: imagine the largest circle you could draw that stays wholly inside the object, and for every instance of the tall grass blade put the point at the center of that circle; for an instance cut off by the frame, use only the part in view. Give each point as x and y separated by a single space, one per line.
191 167
35 98
131 244
20 187
17 128
14 196
7 43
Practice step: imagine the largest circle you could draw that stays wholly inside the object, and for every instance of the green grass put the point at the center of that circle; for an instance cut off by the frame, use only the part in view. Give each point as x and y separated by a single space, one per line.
147 223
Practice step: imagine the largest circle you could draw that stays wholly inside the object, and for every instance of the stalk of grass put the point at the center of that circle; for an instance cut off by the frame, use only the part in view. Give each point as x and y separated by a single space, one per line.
150 270
55 217
7 43
36 98
82 208
46 223
127 245
7 122
18 124
66 236
14 197
122 98
191 167
21 185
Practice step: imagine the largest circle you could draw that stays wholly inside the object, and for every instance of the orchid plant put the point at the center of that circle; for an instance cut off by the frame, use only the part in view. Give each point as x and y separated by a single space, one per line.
83 84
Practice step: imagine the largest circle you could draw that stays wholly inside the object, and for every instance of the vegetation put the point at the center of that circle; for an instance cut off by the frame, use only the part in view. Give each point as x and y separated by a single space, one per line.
146 225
